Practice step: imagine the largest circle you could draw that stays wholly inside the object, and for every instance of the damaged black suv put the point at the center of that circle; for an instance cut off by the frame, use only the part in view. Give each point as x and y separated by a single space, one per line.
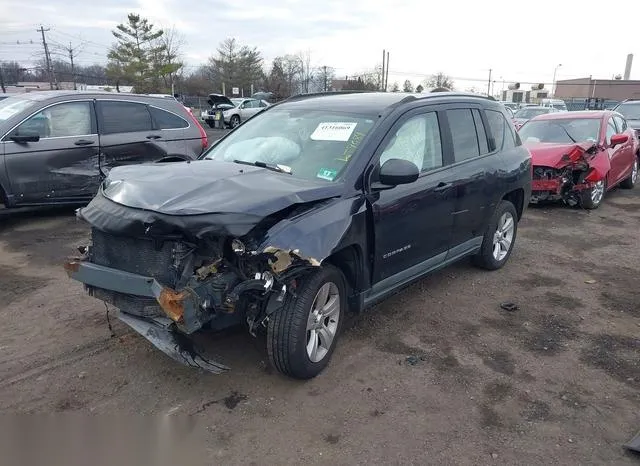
318 205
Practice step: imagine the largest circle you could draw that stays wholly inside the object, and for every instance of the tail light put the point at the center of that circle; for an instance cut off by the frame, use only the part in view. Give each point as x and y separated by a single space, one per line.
203 133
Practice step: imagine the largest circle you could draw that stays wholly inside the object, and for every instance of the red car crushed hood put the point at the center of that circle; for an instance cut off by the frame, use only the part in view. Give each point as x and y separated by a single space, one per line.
561 171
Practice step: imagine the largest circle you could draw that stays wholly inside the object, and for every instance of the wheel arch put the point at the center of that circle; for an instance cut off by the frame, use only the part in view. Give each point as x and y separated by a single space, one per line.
516 197
349 260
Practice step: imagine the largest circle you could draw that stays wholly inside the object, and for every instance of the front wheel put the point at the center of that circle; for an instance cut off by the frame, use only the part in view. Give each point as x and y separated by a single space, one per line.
499 238
234 121
592 197
630 181
302 335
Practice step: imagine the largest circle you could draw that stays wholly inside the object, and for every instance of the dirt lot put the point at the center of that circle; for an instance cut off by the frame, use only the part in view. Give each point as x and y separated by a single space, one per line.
437 374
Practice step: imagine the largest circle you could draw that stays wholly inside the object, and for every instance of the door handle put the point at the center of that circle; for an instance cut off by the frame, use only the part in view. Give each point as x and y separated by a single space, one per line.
442 186
153 136
83 142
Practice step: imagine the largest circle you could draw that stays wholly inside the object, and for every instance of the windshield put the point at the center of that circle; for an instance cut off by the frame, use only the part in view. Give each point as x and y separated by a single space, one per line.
629 111
530 112
563 131
313 144
12 106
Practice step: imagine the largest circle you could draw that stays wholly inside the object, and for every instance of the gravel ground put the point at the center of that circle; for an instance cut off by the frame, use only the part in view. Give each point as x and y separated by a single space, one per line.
437 374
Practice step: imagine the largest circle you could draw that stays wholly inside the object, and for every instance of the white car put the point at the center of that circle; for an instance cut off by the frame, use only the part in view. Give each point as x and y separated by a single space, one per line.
244 109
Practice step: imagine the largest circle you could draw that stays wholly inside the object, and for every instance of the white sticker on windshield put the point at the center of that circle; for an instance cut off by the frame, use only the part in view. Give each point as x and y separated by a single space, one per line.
333 131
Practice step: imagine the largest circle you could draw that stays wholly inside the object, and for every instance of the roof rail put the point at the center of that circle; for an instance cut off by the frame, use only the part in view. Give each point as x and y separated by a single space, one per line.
318 94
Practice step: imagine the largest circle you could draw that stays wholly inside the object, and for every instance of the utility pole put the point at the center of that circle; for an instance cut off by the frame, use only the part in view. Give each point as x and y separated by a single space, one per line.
386 77
382 86
489 84
42 30
324 76
4 91
73 70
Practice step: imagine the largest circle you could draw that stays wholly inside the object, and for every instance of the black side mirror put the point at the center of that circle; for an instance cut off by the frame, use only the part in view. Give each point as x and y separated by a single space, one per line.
24 137
398 171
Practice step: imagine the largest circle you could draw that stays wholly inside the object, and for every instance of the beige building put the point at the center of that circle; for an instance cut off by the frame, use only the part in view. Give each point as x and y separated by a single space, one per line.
607 89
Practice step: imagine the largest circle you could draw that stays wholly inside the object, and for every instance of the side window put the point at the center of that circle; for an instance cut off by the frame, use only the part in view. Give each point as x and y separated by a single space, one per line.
621 123
611 130
417 140
62 120
480 132
253 104
463 133
263 103
124 117
501 130
167 120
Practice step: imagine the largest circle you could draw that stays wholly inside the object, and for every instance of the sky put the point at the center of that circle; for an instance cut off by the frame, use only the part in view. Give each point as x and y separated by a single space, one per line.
519 41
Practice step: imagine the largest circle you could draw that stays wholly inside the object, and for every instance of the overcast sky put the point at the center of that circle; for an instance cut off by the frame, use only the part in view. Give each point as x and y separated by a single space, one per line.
520 41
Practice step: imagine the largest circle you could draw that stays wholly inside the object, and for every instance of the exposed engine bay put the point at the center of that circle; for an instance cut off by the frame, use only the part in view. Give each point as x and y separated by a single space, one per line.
575 171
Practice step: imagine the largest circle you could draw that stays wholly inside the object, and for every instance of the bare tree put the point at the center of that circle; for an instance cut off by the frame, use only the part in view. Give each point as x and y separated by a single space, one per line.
324 76
439 80
407 86
306 71
419 88
171 43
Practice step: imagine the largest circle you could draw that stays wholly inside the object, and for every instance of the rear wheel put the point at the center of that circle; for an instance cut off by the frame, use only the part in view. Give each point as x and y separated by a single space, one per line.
302 335
630 182
592 197
499 238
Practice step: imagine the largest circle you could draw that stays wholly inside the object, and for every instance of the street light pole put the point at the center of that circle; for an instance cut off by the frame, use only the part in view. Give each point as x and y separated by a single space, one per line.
553 85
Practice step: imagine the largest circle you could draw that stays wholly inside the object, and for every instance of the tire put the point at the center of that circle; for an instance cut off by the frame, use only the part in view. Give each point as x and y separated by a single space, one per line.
234 121
592 198
495 252
288 335
630 181
211 124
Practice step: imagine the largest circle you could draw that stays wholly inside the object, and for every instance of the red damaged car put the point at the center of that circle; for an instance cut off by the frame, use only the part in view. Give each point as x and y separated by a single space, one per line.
578 156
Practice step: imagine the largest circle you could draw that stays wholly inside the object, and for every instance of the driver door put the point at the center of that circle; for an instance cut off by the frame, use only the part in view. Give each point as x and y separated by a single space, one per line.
62 164
618 155
413 222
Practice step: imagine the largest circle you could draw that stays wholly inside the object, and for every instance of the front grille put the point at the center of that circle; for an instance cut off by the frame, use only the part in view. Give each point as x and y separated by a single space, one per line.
139 256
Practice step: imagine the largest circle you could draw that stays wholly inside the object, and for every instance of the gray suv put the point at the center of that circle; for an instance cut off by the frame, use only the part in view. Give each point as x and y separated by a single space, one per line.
55 146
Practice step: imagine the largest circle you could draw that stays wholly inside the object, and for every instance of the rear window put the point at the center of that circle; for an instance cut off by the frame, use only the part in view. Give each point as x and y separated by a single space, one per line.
463 132
124 117
501 129
167 120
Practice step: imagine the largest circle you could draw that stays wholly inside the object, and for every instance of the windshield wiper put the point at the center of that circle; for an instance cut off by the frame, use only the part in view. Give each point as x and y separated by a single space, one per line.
269 166
567 133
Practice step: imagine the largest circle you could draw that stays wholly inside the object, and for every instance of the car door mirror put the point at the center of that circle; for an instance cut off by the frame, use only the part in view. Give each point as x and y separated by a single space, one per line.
618 139
25 136
398 171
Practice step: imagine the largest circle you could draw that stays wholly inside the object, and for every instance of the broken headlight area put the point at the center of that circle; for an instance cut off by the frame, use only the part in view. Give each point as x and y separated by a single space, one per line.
215 283
565 181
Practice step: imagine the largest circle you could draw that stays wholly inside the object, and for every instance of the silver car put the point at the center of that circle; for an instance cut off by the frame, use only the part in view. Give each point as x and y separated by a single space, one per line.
243 110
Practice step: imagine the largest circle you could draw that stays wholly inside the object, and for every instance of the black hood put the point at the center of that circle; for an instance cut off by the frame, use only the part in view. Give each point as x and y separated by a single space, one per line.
218 99
197 198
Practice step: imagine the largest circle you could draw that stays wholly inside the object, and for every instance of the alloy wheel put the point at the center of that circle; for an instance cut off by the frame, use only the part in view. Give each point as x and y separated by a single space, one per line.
503 237
322 323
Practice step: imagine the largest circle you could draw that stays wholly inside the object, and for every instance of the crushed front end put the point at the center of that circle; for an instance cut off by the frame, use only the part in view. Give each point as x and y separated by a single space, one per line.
576 170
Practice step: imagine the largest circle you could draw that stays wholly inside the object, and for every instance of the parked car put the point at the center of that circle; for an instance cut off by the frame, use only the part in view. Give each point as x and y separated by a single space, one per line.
578 156
243 110
630 110
219 103
558 104
319 204
56 145
526 113
513 106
